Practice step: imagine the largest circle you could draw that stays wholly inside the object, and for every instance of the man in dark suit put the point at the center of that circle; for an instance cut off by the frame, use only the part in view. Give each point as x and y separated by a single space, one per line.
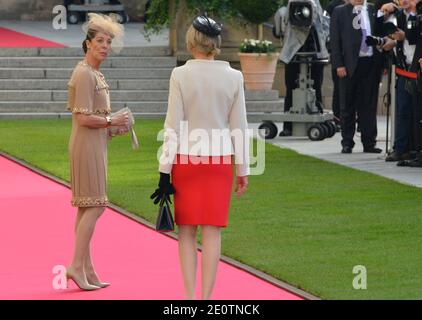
336 92
403 140
415 38
359 68
417 109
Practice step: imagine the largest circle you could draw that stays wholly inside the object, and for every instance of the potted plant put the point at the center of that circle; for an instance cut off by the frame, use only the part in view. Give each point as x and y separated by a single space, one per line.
258 61
258 58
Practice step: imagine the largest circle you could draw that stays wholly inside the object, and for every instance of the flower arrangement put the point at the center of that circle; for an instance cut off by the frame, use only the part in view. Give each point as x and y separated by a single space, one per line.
257 46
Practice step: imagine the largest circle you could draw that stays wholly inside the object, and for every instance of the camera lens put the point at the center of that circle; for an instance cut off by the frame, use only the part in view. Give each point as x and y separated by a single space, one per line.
306 12
300 14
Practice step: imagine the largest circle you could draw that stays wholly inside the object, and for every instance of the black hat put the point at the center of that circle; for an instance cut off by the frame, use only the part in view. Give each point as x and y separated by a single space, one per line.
207 26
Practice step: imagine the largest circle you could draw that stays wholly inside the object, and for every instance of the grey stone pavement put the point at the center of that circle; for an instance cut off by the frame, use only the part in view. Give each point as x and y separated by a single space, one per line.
73 35
329 150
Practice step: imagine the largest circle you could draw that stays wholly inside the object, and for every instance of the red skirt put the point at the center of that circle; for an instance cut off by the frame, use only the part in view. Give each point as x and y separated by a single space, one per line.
203 189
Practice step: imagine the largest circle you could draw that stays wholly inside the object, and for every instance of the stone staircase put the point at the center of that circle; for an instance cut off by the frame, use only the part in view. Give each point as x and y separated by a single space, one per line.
33 82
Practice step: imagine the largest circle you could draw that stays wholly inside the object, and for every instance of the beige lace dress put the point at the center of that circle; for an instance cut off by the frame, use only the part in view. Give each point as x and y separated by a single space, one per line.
88 93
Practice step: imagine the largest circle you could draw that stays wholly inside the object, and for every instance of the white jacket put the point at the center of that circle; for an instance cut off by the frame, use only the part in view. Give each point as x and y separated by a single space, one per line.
206 114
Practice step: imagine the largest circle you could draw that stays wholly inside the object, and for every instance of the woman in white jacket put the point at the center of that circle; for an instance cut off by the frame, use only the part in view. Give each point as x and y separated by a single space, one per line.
205 130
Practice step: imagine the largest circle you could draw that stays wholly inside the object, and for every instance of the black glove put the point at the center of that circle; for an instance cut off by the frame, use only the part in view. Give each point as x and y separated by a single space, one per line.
165 189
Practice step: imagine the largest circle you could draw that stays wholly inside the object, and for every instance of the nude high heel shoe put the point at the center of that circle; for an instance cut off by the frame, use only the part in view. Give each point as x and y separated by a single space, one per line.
101 284
98 283
89 287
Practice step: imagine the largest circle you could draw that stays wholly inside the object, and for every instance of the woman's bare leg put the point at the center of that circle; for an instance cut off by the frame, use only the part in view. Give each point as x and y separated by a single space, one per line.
78 218
84 231
188 257
211 251
90 272
89 269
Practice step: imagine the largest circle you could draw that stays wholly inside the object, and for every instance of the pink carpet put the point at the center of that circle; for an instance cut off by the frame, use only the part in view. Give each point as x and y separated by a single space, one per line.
36 233
14 39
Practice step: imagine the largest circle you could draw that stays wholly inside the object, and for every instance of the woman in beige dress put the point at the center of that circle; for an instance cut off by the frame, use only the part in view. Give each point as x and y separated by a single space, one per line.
89 102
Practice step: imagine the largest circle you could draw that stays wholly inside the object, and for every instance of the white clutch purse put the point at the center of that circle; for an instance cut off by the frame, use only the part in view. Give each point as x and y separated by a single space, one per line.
114 130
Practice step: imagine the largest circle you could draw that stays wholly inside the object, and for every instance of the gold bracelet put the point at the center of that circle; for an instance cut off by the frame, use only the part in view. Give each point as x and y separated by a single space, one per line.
108 119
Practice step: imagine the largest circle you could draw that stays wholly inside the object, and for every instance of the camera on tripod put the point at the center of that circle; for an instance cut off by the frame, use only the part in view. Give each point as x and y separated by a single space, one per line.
301 14
304 29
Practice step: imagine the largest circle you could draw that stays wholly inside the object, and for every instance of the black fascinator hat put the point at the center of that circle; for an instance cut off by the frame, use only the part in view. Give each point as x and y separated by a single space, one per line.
207 26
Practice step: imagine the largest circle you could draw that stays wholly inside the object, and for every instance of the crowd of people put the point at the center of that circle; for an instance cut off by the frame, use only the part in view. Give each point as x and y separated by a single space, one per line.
357 69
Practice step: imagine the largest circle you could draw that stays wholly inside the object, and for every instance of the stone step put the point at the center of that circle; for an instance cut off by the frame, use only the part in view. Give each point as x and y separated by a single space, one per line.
265 95
252 117
151 84
59 84
152 51
61 95
70 62
115 95
65 73
143 106
60 115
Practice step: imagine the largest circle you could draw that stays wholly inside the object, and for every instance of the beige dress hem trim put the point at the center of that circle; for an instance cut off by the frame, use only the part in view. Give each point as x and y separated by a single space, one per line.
89 201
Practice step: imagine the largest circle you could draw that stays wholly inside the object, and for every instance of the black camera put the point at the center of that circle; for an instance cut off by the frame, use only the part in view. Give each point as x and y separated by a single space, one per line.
374 41
300 14
389 27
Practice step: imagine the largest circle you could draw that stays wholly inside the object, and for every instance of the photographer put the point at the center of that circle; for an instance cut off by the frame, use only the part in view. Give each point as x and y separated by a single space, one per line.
415 37
404 13
359 67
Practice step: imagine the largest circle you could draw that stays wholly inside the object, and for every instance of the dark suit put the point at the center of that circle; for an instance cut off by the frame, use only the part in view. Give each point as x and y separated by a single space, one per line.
336 90
332 5
416 38
359 89
403 142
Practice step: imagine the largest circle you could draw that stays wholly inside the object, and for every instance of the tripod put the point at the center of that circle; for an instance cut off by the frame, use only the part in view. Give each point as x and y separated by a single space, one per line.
389 96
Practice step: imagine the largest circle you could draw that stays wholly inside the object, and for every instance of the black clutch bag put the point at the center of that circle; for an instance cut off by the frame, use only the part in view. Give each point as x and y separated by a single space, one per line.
165 221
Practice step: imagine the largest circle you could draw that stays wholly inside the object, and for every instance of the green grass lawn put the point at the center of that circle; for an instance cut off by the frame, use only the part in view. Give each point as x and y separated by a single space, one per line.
304 221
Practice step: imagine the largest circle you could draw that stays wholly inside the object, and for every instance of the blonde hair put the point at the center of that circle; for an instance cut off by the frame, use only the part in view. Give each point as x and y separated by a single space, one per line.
106 24
203 43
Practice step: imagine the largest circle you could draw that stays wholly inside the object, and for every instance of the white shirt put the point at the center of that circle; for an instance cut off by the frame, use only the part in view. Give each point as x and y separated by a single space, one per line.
206 113
408 50
365 24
